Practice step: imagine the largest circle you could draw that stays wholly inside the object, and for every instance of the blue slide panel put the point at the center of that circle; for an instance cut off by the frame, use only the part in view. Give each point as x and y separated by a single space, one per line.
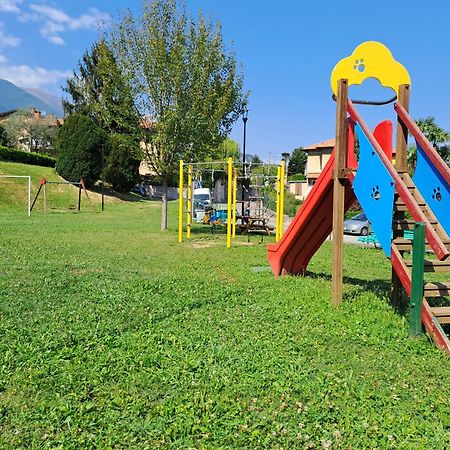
374 188
433 187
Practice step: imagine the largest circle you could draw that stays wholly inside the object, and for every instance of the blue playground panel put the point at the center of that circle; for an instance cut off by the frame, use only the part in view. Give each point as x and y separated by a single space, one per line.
374 187
433 187
222 215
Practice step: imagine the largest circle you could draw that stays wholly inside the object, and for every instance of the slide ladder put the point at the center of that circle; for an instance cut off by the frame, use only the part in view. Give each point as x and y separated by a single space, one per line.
433 317
428 202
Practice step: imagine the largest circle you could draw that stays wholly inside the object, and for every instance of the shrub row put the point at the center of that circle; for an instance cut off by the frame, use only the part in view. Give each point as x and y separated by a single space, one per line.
36 159
297 177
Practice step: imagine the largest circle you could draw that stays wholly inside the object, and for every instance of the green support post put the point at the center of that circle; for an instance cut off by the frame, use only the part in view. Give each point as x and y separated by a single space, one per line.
418 260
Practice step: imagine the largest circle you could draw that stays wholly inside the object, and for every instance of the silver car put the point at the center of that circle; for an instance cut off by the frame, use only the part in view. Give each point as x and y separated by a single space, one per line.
358 224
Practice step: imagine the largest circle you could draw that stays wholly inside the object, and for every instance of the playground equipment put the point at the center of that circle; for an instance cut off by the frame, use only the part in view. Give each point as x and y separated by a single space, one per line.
252 215
386 192
43 188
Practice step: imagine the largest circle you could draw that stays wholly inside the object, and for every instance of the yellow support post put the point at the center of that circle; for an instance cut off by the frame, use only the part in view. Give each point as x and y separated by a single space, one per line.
282 176
189 203
230 193
233 212
277 213
180 204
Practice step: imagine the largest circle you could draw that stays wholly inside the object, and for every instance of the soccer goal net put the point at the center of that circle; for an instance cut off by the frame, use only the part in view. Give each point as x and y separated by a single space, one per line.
16 193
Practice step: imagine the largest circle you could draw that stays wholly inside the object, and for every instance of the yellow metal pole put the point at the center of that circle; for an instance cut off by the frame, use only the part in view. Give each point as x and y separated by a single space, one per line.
235 174
230 194
189 203
277 214
180 204
282 175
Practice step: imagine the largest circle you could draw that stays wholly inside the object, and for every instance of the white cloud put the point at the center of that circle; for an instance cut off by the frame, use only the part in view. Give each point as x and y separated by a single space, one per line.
94 19
10 6
50 13
33 77
8 41
55 21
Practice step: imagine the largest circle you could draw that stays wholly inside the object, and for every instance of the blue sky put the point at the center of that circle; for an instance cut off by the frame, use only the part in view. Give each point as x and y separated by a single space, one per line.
287 49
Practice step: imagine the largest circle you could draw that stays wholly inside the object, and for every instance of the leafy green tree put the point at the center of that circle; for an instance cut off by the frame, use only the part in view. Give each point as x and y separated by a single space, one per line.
226 149
4 139
79 148
122 163
29 129
255 159
184 82
99 90
297 163
435 134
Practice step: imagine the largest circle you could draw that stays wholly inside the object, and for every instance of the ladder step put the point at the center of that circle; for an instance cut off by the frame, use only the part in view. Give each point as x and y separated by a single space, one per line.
436 289
442 313
399 202
405 245
400 224
400 205
432 265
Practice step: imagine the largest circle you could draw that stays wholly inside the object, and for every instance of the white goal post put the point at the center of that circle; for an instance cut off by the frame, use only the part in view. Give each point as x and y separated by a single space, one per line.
29 188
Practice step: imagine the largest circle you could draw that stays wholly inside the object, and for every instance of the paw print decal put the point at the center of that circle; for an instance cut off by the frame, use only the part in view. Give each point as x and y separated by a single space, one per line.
437 194
359 65
376 193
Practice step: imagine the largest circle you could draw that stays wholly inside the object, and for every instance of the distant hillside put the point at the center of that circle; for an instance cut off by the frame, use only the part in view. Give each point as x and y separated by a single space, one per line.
52 100
13 97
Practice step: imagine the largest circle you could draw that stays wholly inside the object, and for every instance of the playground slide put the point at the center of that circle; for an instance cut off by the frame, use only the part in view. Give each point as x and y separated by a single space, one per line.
310 227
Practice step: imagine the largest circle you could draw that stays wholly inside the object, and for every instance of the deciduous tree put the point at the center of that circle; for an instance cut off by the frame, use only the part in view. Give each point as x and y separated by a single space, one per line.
28 128
297 162
185 83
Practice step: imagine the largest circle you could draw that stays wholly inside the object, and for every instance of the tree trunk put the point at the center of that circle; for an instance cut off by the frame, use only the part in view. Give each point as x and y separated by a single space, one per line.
164 205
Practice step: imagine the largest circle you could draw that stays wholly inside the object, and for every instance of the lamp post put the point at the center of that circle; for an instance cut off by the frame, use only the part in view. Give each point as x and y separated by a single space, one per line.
244 165
286 156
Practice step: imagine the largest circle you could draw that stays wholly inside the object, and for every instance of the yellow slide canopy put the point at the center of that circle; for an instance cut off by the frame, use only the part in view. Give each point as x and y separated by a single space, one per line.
370 60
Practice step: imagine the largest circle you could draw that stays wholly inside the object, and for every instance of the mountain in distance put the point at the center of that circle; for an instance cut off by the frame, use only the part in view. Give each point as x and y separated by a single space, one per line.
47 97
13 97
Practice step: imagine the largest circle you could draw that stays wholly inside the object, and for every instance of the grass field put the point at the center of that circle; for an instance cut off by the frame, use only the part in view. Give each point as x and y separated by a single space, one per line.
113 335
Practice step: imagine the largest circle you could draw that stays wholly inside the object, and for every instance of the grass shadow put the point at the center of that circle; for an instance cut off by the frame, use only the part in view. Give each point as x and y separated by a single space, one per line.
379 287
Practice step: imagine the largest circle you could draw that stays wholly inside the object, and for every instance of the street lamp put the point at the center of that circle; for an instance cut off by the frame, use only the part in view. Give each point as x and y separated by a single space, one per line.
244 165
286 156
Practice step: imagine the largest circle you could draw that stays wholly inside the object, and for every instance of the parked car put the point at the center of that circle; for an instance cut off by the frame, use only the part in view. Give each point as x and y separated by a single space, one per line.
358 224
138 189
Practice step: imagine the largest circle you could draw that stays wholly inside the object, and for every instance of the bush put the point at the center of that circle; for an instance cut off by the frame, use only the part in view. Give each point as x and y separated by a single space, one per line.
36 159
79 147
291 204
122 165
297 177
4 140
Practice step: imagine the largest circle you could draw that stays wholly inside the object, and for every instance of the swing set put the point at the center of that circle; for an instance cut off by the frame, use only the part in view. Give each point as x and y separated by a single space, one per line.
254 215
44 189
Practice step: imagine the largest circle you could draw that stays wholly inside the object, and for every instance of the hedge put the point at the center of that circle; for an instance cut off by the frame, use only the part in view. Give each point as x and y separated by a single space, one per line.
297 177
35 159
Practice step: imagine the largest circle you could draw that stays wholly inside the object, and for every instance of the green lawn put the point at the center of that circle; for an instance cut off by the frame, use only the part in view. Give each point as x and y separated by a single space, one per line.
113 335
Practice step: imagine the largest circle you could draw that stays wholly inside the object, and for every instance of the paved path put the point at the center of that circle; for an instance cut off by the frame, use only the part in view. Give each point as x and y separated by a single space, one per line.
348 238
